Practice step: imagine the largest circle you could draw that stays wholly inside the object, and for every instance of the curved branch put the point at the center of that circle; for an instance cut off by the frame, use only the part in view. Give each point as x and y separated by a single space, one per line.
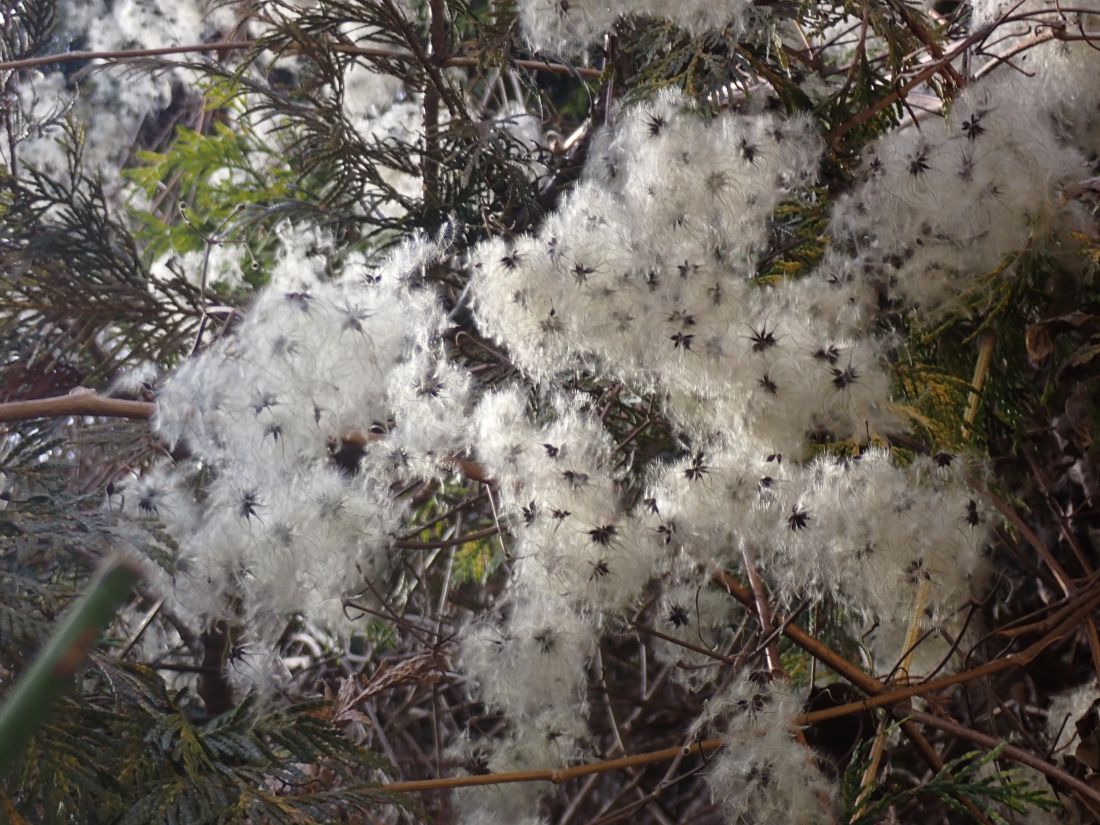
79 403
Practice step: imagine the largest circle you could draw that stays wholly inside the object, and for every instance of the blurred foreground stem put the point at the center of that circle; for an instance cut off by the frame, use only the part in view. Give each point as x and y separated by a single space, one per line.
27 705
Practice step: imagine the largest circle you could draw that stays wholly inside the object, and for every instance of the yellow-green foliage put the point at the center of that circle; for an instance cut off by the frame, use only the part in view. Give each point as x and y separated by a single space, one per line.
211 177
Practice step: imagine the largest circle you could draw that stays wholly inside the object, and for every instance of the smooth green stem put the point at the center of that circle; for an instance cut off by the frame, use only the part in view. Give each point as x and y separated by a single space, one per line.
27 705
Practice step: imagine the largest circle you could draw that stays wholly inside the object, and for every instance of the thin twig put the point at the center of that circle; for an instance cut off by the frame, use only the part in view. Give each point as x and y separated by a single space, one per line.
763 612
878 747
1059 572
122 55
981 370
455 541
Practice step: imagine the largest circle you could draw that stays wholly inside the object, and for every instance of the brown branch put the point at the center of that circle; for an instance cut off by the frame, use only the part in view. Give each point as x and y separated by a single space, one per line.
914 24
558 775
562 774
937 65
882 696
1020 659
1058 611
822 652
763 612
1012 752
477 535
804 640
78 403
121 55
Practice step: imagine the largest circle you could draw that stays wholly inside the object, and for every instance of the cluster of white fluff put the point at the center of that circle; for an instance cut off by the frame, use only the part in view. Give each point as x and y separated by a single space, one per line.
575 542
862 529
112 103
646 272
940 206
269 526
575 551
530 665
1062 92
761 775
569 26
578 556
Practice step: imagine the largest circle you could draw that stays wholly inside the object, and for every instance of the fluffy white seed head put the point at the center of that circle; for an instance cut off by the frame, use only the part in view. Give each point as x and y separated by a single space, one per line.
567 27
762 774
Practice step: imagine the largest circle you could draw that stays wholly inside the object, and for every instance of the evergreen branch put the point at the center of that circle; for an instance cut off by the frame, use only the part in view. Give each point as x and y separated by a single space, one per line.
79 303
961 778
25 709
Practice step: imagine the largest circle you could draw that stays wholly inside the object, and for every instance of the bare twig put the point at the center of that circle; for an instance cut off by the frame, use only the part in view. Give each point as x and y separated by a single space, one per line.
476 535
124 55
77 403
763 612
555 775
